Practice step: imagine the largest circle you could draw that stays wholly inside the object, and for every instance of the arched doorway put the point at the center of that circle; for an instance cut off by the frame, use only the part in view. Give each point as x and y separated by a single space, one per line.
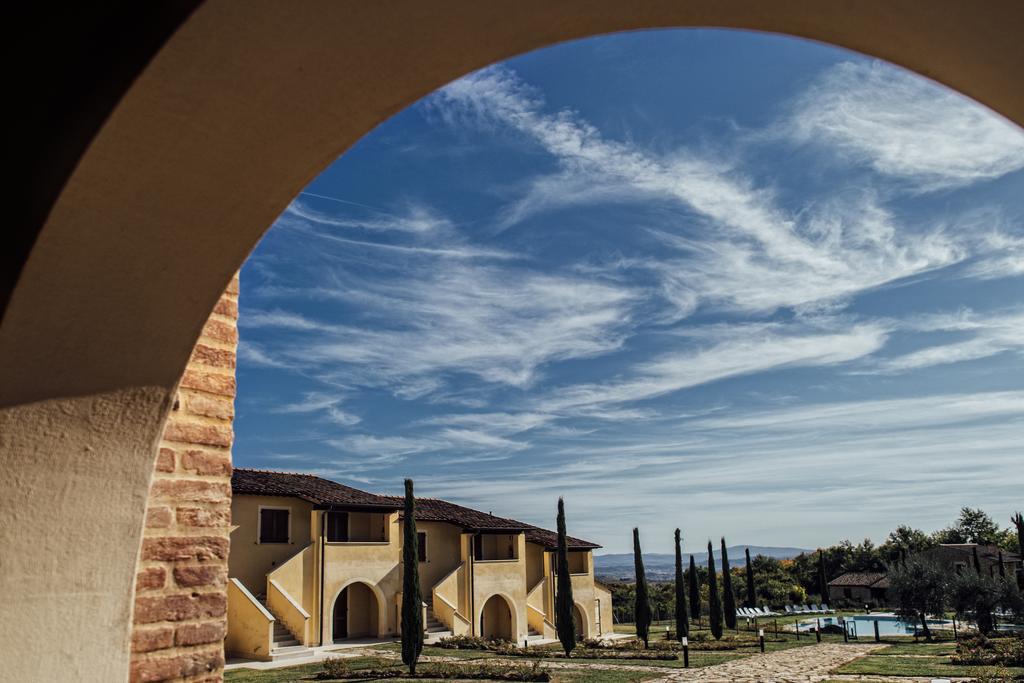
183 220
356 613
497 620
579 620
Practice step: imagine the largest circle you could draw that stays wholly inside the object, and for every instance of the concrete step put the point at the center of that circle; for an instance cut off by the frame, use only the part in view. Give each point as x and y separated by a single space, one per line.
534 636
285 642
437 629
290 652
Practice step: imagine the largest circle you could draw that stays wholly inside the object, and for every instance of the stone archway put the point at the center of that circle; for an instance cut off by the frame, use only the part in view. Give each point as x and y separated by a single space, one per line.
581 622
498 618
357 612
225 122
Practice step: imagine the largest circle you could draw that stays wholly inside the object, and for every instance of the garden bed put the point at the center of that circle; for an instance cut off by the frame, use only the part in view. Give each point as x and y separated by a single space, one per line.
337 669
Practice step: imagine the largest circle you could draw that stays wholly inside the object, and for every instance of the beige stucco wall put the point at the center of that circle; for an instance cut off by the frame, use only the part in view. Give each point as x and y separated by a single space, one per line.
250 634
444 554
376 564
506 578
250 561
535 559
606 616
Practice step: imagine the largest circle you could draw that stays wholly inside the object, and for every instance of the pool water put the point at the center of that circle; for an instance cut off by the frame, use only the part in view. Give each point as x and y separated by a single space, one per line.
888 625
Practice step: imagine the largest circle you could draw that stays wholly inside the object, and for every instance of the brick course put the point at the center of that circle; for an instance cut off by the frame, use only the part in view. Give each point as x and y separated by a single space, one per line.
181 599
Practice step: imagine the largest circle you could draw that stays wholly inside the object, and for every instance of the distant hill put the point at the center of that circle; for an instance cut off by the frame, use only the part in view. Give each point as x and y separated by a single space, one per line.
661 566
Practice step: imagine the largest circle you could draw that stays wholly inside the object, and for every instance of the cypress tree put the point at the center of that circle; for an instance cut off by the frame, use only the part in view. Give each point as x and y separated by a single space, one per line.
412 600
728 597
714 600
694 591
642 609
822 581
1018 521
751 594
564 623
682 620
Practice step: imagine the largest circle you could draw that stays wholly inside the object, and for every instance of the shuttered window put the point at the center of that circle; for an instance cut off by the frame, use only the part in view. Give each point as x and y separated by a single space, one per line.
337 527
421 545
273 526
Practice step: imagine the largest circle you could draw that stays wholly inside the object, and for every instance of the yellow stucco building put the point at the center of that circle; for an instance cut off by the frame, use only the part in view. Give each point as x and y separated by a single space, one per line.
315 562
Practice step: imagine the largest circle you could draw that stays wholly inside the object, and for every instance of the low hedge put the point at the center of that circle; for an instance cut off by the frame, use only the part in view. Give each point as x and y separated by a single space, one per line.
337 669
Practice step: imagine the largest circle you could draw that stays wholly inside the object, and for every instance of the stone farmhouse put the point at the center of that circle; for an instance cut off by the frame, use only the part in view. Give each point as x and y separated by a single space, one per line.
315 562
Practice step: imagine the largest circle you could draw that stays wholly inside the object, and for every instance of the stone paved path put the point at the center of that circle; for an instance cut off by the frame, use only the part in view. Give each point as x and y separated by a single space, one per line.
809 664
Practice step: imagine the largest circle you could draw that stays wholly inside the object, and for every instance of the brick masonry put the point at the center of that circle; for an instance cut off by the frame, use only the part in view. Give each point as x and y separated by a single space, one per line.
180 586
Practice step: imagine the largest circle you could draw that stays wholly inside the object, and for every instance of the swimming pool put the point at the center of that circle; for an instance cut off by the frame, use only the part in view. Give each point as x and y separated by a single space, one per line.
864 625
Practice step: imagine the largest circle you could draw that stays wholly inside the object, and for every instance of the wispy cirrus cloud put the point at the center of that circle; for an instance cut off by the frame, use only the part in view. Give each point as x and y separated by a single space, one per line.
906 127
794 461
326 405
974 336
737 351
417 219
745 253
499 325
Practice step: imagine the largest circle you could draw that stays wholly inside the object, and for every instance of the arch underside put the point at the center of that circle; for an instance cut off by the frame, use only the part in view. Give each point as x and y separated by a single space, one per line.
242 106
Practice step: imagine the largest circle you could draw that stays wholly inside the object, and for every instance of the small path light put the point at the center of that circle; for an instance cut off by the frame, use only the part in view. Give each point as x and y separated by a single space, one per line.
760 637
817 629
686 652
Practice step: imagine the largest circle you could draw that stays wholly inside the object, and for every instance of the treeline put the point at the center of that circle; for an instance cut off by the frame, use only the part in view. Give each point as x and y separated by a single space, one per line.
799 580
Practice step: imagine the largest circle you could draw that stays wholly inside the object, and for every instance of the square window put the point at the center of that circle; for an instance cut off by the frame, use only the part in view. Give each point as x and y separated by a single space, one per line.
421 545
337 527
273 525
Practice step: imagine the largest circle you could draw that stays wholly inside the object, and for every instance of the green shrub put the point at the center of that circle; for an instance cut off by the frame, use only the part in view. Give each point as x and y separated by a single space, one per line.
334 670
336 667
982 651
473 643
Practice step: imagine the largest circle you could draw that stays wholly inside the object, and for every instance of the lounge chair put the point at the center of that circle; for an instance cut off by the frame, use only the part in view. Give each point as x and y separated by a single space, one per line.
810 609
790 610
828 610
817 608
768 612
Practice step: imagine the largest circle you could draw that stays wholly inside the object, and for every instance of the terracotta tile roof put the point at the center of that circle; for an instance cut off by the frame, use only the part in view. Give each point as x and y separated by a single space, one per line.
437 510
549 539
308 487
320 491
860 579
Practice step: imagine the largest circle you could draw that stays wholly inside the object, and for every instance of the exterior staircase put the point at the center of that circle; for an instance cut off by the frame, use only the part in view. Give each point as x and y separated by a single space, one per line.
434 630
285 645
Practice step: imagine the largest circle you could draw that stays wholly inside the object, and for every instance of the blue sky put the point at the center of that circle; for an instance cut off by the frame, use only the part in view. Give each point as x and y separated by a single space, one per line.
736 283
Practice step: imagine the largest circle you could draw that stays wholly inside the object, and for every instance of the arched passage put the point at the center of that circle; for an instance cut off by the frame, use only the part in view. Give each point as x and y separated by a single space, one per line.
498 618
580 621
357 612
132 253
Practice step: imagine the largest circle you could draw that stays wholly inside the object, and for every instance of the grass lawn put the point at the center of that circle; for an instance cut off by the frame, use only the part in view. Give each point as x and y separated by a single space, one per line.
907 658
302 672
